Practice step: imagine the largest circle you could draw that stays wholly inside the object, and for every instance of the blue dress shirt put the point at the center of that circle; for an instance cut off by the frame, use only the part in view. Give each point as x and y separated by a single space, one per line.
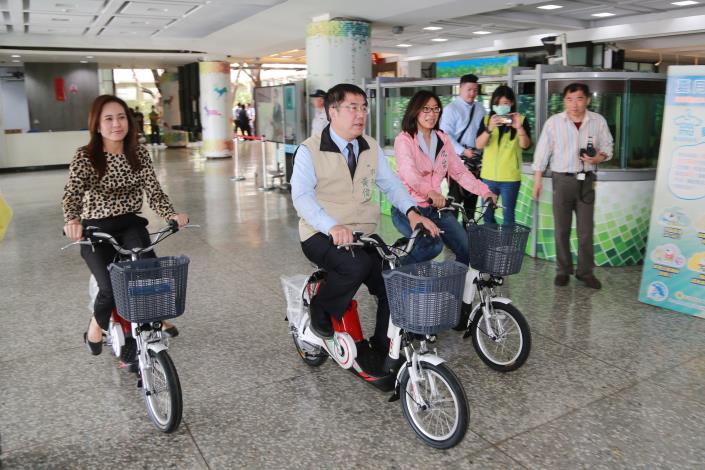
304 181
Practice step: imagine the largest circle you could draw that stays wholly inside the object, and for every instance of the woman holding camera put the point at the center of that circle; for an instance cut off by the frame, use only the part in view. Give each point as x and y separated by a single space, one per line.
503 134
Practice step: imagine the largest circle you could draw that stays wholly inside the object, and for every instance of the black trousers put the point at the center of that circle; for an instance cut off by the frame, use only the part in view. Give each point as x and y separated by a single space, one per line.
130 230
345 276
461 196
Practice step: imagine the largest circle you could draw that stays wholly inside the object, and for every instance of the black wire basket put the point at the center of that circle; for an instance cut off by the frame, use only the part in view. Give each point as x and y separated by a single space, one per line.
426 298
497 249
149 290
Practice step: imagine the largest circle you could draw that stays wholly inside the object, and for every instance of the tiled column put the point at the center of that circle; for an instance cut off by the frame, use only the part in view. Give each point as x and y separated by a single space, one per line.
337 51
216 115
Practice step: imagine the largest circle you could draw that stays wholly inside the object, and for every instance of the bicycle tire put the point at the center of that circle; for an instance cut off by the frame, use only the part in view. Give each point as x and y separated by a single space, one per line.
168 417
412 411
482 343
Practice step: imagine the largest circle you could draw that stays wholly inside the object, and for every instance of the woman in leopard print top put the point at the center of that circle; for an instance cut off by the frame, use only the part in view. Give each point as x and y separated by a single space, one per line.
108 179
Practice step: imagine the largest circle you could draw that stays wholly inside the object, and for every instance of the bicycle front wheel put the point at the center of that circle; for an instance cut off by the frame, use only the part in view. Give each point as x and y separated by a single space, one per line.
506 344
162 391
438 414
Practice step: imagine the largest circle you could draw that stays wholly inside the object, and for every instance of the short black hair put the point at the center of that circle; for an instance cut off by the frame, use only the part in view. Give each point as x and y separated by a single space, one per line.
468 78
336 95
573 87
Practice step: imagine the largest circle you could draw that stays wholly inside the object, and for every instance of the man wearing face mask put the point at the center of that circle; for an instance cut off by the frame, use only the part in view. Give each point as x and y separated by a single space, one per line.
460 121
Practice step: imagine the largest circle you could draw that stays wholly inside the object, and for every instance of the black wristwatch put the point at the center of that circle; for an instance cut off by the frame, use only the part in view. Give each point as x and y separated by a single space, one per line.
413 208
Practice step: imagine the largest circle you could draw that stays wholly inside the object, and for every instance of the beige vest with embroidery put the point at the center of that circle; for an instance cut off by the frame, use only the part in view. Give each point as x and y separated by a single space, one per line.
347 200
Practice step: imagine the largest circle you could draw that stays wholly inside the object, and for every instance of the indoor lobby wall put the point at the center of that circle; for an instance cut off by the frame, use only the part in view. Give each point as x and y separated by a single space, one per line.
65 109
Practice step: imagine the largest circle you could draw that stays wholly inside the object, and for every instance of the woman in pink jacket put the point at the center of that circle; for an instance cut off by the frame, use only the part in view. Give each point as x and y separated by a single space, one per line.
424 157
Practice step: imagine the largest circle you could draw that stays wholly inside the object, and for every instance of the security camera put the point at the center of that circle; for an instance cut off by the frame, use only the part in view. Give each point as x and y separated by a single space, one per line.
549 43
397 29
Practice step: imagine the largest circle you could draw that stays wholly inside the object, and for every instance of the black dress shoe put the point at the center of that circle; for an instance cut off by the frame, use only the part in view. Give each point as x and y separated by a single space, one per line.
561 280
321 324
590 281
93 348
171 332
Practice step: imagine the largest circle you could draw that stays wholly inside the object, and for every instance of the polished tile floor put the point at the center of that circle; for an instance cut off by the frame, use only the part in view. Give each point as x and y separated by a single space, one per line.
610 383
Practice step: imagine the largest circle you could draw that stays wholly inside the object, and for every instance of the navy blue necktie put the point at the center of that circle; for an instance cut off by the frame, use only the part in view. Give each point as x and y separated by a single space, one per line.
352 163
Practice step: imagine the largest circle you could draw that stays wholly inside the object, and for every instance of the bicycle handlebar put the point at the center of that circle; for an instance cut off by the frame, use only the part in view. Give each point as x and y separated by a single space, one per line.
452 205
375 241
92 235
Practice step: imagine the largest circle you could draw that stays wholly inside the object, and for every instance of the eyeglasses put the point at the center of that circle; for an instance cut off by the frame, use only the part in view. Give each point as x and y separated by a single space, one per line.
428 109
354 108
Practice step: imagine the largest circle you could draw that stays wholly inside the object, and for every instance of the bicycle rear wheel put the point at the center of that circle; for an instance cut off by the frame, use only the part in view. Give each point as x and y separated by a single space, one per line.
162 391
441 421
510 347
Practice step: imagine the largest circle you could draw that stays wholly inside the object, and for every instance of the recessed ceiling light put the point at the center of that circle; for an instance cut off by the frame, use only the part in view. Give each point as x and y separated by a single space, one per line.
15 55
17 60
432 28
481 32
439 39
403 45
550 7
685 3
84 61
89 57
603 15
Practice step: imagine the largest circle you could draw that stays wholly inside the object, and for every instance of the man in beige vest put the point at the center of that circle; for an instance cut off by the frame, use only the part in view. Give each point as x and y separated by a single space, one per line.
331 187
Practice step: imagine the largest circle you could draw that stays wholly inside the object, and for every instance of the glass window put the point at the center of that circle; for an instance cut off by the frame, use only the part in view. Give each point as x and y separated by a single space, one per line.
645 114
526 106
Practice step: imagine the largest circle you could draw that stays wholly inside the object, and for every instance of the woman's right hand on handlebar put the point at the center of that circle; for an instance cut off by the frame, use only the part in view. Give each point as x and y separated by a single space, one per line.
490 196
437 199
415 219
73 230
341 235
181 219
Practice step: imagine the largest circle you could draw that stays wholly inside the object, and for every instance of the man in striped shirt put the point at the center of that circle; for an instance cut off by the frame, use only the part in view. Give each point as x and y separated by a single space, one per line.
572 143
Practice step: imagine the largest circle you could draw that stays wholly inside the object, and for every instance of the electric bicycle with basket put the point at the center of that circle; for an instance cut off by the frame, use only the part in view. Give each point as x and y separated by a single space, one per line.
500 333
424 299
147 291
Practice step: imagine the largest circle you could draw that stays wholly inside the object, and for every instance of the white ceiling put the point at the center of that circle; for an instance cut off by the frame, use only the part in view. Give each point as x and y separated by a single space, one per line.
155 33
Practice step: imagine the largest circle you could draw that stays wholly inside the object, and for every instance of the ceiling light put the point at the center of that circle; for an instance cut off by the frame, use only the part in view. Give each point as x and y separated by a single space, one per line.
15 55
603 15
550 7
17 60
84 61
89 57
685 3
481 32
439 39
432 28
403 45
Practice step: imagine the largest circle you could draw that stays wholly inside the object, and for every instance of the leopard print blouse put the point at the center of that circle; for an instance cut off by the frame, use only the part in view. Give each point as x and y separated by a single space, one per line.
119 192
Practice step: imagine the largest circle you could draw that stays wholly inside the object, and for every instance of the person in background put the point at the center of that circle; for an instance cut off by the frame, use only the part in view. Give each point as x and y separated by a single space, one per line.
154 138
243 120
251 116
108 180
460 121
425 156
502 136
320 120
139 121
572 144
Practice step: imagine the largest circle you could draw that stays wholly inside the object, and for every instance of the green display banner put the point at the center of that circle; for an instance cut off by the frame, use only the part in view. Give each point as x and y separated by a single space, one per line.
674 265
495 65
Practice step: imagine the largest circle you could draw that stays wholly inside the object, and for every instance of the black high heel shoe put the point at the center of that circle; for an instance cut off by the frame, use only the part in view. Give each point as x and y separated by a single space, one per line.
93 348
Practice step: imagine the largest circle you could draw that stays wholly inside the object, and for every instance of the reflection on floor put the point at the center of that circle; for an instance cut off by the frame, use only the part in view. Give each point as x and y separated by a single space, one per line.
610 383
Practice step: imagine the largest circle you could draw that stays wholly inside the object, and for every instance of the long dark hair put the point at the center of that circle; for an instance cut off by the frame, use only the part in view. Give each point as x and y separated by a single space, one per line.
418 101
503 91
95 149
